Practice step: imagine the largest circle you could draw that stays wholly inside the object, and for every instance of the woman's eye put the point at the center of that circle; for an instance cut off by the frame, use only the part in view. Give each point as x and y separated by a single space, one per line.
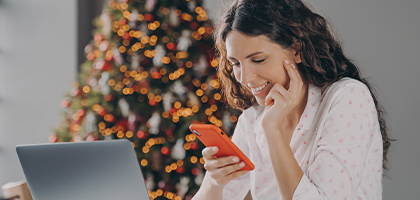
259 61
235 64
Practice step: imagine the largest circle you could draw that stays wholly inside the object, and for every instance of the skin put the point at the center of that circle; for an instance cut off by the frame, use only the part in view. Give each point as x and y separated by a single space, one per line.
257 61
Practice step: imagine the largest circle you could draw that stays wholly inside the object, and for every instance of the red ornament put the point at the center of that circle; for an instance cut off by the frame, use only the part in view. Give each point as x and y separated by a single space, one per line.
126 36
180 170
156 75
171 46
172 111
152 102
141 134
122 21
108 97
212 101
102 65
53 138
148 17
80 112
122 123
169 132
98 38
194 146
65 103
165 150
194 171
109 118
91 138
193 25
75 92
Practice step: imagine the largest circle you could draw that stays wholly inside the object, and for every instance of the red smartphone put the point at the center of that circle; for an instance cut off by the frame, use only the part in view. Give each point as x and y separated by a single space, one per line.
211 135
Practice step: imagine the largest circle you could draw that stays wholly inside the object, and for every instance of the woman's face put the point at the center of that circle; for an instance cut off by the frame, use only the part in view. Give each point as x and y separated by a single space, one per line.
258 63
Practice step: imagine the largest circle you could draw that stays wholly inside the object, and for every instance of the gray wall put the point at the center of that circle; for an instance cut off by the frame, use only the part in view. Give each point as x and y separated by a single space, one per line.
37 67
382 37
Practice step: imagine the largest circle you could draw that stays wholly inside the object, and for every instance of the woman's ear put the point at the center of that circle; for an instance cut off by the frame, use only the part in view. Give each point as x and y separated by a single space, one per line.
296 52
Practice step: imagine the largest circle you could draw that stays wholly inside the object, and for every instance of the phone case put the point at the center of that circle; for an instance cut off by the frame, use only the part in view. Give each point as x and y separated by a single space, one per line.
211 135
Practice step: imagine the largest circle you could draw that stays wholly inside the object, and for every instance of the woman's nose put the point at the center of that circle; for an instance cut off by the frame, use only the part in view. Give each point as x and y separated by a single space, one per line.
246 75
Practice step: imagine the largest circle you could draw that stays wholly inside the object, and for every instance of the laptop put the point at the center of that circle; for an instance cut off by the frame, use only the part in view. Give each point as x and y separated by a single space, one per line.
105 170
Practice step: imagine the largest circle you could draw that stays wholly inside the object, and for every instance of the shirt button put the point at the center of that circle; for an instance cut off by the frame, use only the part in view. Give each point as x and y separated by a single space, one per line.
298 129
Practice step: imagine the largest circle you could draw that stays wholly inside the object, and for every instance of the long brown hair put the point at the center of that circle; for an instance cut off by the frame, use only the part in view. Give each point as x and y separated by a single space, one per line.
286 22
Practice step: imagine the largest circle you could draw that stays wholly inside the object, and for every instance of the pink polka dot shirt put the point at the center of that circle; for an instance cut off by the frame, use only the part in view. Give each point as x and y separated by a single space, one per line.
337 143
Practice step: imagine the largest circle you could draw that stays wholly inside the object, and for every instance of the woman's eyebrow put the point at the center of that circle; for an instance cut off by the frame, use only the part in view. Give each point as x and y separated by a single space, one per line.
252 54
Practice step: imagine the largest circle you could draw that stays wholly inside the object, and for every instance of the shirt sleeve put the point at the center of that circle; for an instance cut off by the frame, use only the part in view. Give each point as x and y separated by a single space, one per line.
238 188
339 157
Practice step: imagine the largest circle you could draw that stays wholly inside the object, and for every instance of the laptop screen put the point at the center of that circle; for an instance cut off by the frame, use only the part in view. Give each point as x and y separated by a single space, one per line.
105 170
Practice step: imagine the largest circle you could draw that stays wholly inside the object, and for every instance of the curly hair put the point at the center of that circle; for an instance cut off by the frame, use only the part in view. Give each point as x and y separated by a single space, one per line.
287 22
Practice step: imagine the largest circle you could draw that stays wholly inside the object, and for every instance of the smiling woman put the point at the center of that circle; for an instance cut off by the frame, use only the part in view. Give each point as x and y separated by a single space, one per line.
310 123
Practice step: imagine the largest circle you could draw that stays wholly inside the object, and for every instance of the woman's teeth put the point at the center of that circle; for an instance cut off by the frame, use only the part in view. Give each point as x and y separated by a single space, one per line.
259 88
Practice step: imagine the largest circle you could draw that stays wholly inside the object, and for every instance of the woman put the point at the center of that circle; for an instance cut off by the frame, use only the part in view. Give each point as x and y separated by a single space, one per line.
310 123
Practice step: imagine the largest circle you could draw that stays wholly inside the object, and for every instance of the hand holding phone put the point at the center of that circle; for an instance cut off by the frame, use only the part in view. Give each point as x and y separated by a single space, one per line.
213 136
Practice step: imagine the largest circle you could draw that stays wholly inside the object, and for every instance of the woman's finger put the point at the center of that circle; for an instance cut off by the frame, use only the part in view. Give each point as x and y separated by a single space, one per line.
225 171
221 162
295 79
209 153
277 93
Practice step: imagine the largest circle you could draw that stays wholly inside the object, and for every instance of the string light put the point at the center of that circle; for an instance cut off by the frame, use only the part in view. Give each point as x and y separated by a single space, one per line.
129 134
123 68
204 86
165 39
187 146
208 111
180 163
108 131
124 6
120 134
204 99
193 159
210 30
201 30
195 109
144 162
199 92
101 125
122 49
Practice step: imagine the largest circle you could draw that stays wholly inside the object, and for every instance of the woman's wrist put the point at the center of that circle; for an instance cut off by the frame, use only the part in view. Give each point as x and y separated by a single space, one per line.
209 190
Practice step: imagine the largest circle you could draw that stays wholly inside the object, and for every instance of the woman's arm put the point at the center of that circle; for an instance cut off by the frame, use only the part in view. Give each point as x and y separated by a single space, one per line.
339 169
209 191
286 170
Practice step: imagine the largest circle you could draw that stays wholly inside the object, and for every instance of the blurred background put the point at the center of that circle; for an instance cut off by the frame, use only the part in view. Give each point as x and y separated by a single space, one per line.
42 46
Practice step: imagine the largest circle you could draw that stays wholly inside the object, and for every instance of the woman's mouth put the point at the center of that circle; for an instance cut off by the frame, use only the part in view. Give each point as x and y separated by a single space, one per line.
259 90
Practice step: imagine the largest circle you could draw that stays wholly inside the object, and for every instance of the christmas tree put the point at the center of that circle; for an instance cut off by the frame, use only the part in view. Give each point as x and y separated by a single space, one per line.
150 72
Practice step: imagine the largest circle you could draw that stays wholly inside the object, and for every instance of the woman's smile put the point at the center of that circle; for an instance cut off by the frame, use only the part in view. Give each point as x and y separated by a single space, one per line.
257 91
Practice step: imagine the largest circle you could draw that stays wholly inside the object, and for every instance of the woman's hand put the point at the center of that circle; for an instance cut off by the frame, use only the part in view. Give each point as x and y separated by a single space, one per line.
281 101
222 170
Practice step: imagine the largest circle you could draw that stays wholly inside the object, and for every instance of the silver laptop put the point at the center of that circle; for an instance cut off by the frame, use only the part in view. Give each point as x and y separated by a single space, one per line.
101 170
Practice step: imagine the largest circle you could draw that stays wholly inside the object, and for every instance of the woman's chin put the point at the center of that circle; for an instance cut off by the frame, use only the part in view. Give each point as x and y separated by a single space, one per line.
260 101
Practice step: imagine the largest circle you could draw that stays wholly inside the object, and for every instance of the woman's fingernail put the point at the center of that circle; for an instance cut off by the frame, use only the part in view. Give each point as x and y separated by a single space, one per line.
241 164
287 62
293 65
214 149
235 159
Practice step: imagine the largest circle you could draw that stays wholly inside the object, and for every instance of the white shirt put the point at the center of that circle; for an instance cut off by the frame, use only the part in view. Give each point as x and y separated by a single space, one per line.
337 143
